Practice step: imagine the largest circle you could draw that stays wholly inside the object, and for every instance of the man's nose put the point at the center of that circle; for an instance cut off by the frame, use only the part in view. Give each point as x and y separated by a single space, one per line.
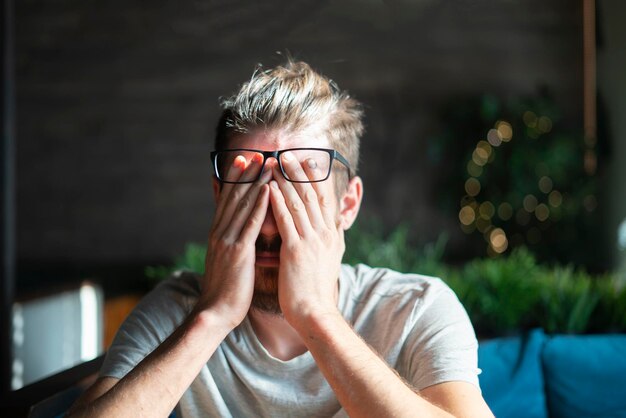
269 228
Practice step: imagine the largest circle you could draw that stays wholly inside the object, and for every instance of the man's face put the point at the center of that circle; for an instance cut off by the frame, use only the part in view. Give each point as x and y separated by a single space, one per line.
265 297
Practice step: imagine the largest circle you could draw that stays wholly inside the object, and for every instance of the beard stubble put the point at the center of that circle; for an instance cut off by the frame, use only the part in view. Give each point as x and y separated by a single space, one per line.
265 296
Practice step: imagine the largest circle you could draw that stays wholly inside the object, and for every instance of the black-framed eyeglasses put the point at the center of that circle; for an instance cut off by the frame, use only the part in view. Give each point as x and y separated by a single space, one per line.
315 164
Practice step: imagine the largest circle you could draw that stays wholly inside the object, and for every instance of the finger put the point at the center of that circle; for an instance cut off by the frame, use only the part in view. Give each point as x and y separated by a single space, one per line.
304 171
253 225
234 171
240 169
294 204
234 196
284 221
325 192
244 208
241 202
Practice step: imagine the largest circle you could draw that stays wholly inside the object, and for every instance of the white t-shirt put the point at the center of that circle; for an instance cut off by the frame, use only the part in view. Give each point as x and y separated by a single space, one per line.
414 322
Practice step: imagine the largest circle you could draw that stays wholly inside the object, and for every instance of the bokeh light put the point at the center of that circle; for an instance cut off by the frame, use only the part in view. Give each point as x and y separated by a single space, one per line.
480 156
467 215
474 169
472 186
545 184
544 124
494 137
505 211
498 240
505 130
530 119
542 212
555 198
530 203
486 210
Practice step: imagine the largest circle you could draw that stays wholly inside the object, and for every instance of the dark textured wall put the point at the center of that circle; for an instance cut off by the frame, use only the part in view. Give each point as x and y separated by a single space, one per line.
117 100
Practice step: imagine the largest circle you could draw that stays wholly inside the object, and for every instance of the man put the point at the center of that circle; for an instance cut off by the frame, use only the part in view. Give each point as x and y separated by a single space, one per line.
277 326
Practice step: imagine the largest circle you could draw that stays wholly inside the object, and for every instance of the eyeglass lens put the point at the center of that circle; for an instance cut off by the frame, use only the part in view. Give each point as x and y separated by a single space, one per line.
243 166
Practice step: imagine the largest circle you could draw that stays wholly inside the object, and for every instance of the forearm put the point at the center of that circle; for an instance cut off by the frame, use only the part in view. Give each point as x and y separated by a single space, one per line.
156 384
364 384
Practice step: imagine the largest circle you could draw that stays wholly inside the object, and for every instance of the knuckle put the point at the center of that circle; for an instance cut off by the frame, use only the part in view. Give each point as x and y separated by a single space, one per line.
237 194
213 239
309 196
295 206
244 203
326 235
284 217
253 220
293 249
324 201
221 244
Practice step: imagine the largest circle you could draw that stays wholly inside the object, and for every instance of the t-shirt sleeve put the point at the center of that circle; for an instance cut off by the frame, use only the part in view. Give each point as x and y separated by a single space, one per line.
441 345
154 319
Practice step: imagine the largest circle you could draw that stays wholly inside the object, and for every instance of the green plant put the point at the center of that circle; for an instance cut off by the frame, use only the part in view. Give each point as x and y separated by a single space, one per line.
610 312
506 294
191 259
367 242
500 294
567 301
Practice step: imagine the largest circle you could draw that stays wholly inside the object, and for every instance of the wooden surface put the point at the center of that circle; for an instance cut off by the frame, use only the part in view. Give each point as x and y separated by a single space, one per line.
115 311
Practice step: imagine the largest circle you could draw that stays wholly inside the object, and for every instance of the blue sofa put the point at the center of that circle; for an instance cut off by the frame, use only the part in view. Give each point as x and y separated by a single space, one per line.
539 376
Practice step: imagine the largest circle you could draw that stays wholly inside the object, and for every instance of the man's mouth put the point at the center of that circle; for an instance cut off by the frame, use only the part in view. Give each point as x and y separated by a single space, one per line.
267 259
268 251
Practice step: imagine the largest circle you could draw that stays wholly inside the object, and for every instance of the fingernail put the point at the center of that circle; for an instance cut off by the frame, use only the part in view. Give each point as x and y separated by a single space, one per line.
274 184
258 158
240 162
287 156
312 163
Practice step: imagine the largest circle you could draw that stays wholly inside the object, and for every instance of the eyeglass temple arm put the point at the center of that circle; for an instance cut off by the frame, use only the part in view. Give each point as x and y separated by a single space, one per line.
343 161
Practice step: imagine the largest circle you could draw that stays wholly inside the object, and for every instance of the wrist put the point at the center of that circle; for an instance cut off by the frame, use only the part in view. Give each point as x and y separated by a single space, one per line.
307 321
305 308
213 320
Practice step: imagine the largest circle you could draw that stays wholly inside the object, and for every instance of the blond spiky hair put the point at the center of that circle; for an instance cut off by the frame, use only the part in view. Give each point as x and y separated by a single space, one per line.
293 97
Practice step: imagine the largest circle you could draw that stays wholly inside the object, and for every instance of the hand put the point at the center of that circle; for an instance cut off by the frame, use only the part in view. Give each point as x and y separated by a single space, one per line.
312 242
228 281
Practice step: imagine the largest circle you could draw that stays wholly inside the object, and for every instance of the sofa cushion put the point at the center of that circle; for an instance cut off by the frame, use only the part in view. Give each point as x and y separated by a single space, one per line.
586 376
512 377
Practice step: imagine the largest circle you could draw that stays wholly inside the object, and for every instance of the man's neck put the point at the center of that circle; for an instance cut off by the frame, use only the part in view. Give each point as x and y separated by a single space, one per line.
276 335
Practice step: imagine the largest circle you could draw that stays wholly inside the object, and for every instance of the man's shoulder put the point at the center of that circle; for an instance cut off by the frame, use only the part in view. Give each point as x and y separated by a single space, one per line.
179 290
183 282
385 282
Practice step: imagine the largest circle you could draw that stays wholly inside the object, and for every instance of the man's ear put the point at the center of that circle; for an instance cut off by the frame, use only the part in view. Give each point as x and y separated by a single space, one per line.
350 202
